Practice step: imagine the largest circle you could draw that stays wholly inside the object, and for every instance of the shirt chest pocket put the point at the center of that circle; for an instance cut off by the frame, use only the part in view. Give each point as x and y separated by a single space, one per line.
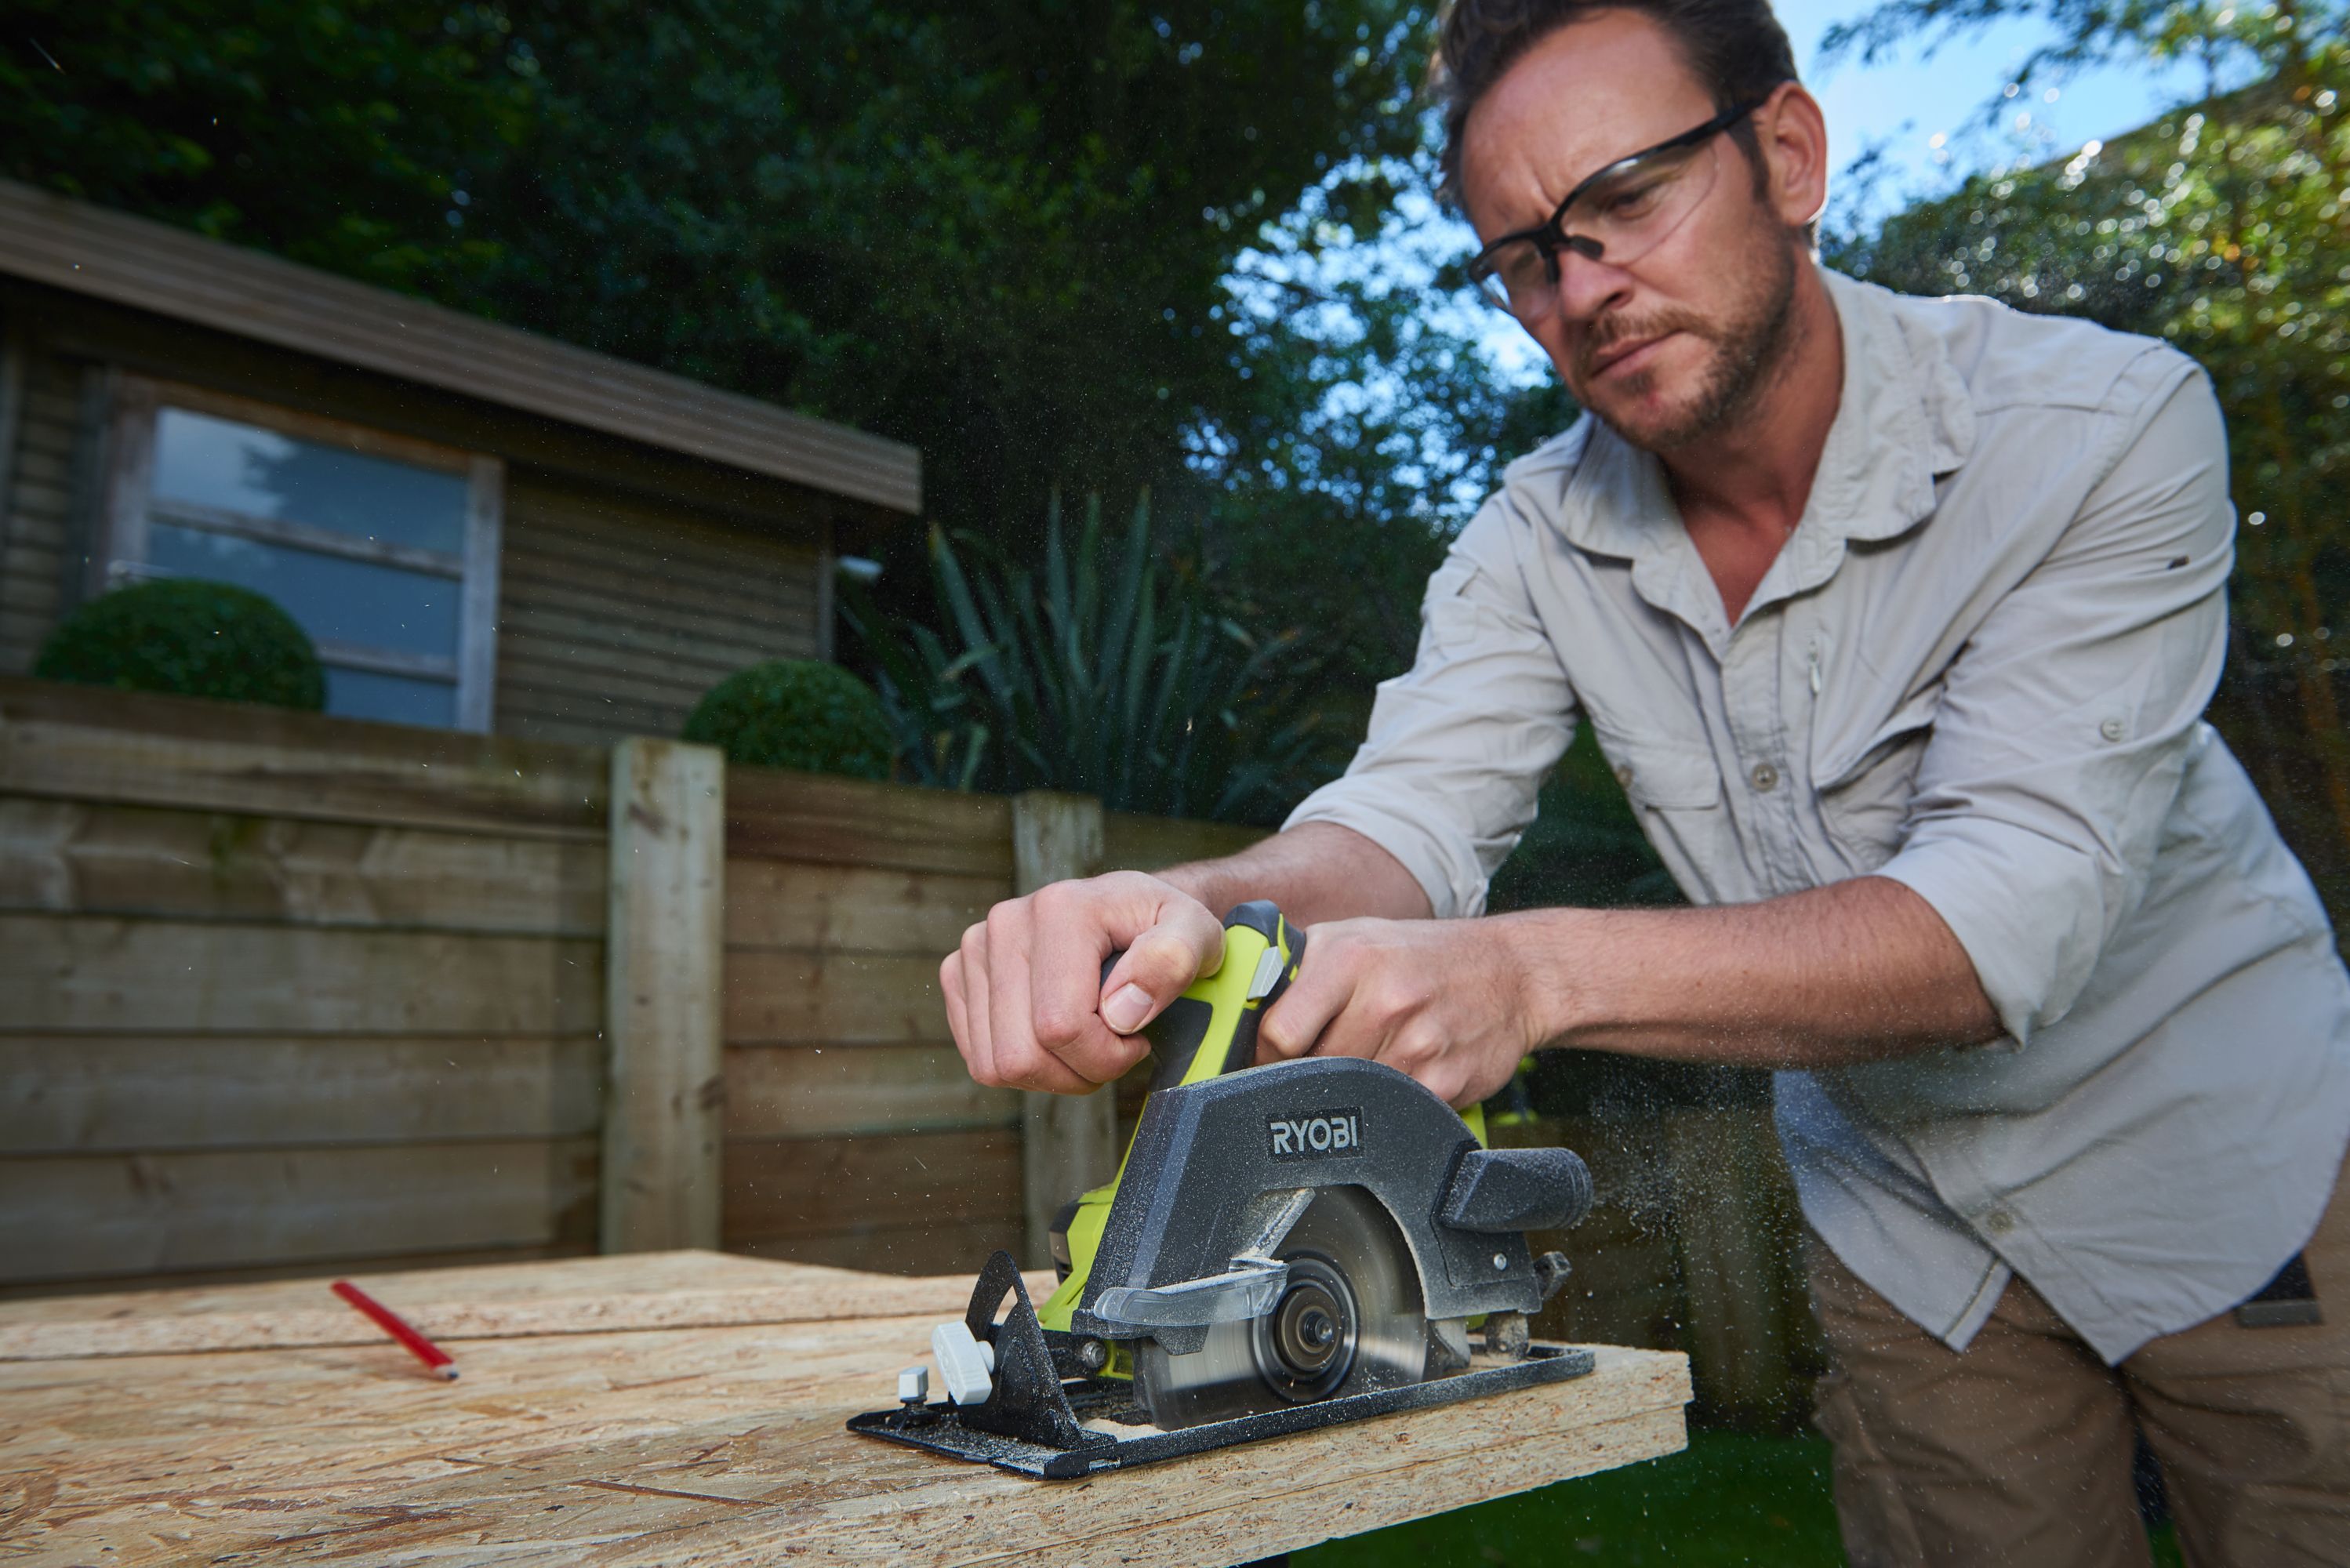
1676 794
1866 777
1662 775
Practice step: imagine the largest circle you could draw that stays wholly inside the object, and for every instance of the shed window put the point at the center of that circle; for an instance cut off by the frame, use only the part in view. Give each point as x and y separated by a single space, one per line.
383 548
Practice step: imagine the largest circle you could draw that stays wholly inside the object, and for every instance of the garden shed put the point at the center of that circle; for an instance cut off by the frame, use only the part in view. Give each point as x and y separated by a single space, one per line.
481 528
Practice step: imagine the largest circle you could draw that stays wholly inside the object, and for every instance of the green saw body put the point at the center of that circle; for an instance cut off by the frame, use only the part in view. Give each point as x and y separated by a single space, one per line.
1209 1030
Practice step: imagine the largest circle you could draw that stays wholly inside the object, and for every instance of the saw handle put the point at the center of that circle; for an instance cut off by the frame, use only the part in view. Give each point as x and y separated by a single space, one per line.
1211 1029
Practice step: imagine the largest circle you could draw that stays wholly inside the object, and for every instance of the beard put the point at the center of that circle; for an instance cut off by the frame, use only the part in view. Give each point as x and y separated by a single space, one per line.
1749 344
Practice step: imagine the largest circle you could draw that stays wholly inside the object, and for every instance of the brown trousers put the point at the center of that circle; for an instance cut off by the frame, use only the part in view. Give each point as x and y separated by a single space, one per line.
2018 1451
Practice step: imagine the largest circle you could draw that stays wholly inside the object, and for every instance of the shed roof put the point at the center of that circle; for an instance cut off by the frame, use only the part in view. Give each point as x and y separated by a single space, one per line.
69 244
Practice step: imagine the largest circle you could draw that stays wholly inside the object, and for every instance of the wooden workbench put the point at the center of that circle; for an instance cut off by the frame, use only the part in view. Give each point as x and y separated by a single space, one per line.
681 1407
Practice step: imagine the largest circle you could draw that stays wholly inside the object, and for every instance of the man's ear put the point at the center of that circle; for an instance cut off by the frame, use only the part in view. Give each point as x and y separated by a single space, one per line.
1794 137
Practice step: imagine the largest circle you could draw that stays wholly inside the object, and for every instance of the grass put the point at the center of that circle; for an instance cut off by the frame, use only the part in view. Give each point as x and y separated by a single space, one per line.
1730 1500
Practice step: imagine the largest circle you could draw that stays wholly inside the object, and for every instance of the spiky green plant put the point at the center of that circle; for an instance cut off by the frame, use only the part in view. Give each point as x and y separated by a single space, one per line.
1098 674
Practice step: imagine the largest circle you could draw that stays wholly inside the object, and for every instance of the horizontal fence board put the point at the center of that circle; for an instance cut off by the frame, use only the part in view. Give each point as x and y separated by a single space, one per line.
790 904
78 742
957 1247
99 1094
800 998
777 814
830 1187
1135 842
98 1215
105 974
797 1092
148 860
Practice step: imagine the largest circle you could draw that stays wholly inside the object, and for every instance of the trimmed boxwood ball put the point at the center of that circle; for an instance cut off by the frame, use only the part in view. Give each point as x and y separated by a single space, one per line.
188 639
796 713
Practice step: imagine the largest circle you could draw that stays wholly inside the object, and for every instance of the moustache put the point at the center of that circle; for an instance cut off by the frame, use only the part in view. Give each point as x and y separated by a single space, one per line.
1606 333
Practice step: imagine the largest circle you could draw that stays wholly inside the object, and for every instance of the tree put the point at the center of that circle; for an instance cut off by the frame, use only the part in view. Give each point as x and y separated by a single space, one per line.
992 228
1381 422
335 135
2222 228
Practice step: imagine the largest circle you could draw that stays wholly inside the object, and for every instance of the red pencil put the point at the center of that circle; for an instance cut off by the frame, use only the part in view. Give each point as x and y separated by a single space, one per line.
435 1359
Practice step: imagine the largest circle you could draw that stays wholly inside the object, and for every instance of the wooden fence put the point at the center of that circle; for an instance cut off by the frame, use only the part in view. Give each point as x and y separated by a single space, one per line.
282 993
277 991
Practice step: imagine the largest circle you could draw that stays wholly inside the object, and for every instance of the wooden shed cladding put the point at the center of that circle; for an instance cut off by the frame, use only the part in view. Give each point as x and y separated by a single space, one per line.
37 507
854 1136
289 992
616 615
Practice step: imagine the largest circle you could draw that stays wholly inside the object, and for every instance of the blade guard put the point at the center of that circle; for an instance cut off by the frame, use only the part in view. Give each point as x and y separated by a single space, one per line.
1192 1195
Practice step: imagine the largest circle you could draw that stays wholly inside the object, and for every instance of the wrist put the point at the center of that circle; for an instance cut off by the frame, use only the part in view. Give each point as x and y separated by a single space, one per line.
1538 947
1200 883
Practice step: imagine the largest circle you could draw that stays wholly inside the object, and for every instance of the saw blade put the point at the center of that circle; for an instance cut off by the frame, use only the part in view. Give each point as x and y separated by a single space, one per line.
1349 1320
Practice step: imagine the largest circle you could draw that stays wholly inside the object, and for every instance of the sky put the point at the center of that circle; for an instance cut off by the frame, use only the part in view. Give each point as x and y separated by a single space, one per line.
1926 112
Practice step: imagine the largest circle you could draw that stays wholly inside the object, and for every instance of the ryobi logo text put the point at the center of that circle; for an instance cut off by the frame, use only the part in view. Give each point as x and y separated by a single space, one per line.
1316 1135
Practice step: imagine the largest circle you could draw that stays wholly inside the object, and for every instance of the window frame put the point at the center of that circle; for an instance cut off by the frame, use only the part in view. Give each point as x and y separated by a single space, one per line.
131 505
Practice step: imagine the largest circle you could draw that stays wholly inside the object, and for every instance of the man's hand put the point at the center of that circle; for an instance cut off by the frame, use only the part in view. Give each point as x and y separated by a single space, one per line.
1447 1001
1025 995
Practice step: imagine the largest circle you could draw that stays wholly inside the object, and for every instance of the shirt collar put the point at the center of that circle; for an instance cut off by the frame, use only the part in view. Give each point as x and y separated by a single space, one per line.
1903 419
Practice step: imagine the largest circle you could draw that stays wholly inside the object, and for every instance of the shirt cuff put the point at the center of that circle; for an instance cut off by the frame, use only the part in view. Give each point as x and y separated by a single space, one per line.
2015 900
1447 872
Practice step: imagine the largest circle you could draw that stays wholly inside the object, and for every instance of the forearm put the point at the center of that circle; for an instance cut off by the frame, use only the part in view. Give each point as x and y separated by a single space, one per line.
1857 972
1317 871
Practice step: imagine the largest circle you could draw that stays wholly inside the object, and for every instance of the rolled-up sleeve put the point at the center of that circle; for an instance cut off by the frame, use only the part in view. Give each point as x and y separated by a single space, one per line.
1458 746
2067 724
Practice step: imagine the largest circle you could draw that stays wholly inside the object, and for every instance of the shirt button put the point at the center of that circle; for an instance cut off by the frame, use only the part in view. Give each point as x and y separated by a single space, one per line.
1624 774
1999 1221
2112 728
1764 776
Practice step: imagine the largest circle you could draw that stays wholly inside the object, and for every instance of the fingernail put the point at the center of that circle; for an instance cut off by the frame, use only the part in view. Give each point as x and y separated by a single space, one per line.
1126 1011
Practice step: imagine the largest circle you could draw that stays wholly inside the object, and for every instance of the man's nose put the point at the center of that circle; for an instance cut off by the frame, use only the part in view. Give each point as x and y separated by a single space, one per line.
1587 287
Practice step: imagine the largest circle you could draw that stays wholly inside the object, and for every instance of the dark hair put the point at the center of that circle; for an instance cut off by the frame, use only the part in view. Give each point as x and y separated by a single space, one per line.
1736 48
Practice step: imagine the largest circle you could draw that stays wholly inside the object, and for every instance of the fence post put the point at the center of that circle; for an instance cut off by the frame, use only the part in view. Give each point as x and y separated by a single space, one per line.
1068 1143
664 956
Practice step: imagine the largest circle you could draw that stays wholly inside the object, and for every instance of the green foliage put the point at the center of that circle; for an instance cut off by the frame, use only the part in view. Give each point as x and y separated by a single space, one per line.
796 713
1098 674
335 134
189 639
1381 424
2222 228
991 227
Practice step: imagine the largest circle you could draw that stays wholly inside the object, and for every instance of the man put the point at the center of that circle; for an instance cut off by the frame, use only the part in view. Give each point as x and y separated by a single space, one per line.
1896 619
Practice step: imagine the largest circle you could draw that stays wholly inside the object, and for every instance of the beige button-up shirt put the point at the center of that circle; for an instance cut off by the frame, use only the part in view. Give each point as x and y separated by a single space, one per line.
1979 668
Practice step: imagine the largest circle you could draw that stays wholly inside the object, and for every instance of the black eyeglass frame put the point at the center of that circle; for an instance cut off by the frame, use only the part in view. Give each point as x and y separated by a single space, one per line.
1550 236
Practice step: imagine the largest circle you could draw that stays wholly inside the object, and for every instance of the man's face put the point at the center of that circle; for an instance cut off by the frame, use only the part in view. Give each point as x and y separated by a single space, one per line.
1673 345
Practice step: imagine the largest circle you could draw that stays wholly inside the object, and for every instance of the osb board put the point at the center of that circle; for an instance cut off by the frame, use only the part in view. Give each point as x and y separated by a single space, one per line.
706 1446
644 1290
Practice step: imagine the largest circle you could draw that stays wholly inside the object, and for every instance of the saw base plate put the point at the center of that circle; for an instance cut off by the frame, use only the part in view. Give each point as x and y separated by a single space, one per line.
938 1429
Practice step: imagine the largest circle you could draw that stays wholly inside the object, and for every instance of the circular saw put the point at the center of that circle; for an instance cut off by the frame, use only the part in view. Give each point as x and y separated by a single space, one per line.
1284 1247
